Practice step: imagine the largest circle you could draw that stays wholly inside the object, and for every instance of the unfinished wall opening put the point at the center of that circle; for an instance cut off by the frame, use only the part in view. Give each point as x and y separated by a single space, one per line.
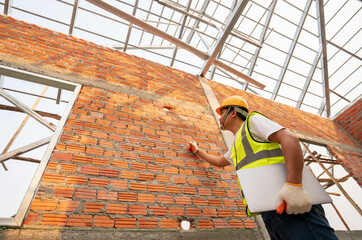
335 180
33 111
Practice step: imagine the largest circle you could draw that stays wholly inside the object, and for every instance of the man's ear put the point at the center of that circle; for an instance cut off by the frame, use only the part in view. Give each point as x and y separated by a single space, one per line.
233 113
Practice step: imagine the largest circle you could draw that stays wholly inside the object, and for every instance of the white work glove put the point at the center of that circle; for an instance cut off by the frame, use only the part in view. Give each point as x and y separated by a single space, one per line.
193 146
293 199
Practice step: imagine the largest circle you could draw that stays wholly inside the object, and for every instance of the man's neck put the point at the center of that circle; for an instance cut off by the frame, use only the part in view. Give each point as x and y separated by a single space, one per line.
235 128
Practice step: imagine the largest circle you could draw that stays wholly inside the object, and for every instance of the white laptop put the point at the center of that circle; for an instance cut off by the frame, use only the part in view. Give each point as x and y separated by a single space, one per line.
261 186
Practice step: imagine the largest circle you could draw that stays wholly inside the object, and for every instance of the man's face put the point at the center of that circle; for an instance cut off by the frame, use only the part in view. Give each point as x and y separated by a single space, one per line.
223 112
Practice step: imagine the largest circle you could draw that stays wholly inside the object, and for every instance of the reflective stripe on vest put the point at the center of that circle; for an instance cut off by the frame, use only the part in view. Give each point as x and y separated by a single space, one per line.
249 153
250 156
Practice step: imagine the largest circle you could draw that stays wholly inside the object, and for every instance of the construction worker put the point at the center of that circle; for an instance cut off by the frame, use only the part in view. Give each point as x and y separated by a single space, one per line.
295 217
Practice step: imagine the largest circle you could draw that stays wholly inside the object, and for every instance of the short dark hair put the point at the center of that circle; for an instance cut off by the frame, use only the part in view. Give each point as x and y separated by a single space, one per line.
241 116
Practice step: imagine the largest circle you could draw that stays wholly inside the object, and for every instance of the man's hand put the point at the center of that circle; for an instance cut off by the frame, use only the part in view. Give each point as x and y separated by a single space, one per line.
193 146
293 199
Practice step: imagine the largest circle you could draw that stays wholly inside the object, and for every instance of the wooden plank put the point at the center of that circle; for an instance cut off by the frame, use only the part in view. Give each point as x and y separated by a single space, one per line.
26 159
41 113
340 216
24 149
23 123
28 110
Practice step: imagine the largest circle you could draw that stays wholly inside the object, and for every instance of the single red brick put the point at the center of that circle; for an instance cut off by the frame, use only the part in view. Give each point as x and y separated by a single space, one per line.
163 178
85 193
249 224
103 195
75 148
32 218
193 212
52 177
204 224
155 210
67 167
53 219
219 223
167 223
63 192
214 202
137 210
44 205
138 186
183 200
119 184
108 172
146 198
147 223
79 221
173 189
103 221
71 179
89 170
165 199
82 159
146 176
126 223
67 206
113 208
128 197
62 156
93 207
224 212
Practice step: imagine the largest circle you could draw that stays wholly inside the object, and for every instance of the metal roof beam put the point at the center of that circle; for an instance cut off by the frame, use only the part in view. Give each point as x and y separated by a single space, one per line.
213 68
291 49
180 33
147 27
261 40
344 50
309 78
324 60
74 15
24 149
7 6
130 28
227 30
197 22
171 39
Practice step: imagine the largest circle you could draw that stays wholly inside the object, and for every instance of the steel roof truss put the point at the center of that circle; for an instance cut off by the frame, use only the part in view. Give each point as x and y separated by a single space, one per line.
232 19
74 15
324 61
291 49
261 40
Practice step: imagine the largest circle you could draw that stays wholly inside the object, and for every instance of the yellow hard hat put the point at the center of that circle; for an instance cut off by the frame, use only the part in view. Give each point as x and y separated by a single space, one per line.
233 101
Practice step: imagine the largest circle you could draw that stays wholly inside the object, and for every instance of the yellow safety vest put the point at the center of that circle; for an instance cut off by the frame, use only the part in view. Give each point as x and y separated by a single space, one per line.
249 153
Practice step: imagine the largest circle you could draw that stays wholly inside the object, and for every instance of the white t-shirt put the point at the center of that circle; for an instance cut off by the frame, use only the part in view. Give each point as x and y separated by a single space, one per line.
260 128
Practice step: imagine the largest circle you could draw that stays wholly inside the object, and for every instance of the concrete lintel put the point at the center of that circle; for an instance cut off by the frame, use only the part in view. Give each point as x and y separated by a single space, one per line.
323 141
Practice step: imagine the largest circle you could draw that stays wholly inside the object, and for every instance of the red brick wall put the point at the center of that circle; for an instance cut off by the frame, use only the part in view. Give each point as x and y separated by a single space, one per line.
121 161
351 120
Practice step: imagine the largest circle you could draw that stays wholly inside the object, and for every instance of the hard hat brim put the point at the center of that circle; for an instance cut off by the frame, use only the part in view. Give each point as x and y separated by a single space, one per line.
218 110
